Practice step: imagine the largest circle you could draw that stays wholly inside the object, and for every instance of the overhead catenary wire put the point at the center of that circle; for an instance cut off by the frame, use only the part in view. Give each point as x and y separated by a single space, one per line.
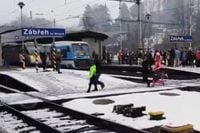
78 16
14 11
169 9
70 9
111 20
67 18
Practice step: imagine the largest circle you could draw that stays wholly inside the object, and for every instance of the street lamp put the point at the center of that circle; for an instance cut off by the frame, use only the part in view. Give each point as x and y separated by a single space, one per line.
148 18
21 5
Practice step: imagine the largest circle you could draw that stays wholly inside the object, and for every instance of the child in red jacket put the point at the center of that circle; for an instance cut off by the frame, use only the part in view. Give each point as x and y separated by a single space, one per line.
157 69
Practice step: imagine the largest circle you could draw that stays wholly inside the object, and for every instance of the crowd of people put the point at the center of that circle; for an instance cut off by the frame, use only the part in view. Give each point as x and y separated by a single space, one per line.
129 57
173 57
45 57
152 61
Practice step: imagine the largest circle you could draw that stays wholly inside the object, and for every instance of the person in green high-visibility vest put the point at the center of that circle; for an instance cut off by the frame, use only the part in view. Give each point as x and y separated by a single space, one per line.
92 76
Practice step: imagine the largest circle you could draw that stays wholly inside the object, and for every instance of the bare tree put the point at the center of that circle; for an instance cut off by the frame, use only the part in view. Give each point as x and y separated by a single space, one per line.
96 18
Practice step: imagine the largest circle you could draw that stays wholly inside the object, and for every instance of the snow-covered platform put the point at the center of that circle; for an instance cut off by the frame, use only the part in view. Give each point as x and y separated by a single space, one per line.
68 84
74 83
181 108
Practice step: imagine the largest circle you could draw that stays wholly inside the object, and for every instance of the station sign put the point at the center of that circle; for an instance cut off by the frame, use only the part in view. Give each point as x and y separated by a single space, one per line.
180 38
45 32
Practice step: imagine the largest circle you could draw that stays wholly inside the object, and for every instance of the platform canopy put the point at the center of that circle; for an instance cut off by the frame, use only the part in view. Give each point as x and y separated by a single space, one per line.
70 36
87 34
8 29
76 36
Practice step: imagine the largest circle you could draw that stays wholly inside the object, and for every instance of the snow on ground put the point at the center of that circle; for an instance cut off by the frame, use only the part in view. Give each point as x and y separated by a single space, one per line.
181 109
73 83
187 69
70 81
12 124
69 84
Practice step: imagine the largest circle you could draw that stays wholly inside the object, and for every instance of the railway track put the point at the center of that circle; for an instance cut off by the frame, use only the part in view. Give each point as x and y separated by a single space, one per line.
43 120
137 72
57 118
50 117
14 124
15 121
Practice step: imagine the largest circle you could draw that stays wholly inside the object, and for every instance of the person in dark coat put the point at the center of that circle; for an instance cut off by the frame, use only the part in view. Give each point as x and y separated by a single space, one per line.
146 68
58 60
22 60
43 56
98 71
171 57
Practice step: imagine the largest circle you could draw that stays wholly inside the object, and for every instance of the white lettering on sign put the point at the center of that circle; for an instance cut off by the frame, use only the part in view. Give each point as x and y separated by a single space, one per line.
36 32
181 38
43 32
177 38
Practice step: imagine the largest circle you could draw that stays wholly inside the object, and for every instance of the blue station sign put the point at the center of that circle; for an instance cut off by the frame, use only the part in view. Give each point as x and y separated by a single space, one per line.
47 32
180 38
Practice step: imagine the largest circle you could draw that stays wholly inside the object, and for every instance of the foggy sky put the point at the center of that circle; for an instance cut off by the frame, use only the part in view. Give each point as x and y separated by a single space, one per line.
61 10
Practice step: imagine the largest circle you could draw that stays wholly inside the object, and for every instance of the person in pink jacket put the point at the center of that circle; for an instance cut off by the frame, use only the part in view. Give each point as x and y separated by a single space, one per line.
157 69
158 60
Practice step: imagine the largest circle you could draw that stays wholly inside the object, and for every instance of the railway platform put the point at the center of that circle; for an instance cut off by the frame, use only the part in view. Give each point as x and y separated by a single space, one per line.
178 73
72 85
119 79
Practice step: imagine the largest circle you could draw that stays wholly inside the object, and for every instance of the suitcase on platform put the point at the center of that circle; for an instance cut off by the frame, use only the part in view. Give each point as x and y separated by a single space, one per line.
187 128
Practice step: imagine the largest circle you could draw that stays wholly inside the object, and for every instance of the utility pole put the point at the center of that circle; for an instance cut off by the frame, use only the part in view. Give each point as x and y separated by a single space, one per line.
183 17
198 6
2 54
190 21
120 18
36 54
159 6
138 2
120 24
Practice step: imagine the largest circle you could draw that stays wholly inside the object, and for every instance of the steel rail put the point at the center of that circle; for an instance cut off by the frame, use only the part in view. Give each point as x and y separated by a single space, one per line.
102 123
30 121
